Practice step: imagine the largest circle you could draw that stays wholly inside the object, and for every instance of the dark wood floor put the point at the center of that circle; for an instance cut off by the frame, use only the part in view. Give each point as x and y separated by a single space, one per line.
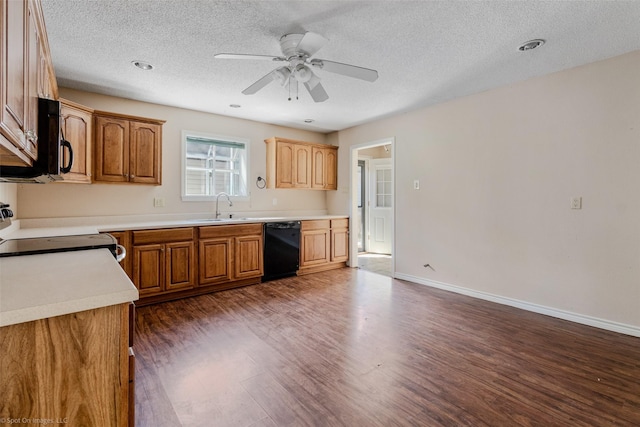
353 348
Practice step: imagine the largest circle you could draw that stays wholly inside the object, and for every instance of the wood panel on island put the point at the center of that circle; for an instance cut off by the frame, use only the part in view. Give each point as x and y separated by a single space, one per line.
76 369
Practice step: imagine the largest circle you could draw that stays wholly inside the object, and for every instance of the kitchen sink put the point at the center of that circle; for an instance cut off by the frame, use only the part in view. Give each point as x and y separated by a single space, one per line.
220 219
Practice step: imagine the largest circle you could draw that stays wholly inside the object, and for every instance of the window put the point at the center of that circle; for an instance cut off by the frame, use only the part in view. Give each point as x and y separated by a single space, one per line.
213 164
383 188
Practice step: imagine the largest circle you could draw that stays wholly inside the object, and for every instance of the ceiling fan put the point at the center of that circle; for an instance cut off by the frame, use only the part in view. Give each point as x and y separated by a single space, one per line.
297 50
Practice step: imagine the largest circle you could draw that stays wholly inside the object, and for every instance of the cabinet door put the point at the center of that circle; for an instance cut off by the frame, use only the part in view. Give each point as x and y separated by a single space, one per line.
302 166
331 169
13 82
315 247
339 245
179 264
77 129
33 62
248 257
318 168
284 165
144 157
215 261
111 150
148 269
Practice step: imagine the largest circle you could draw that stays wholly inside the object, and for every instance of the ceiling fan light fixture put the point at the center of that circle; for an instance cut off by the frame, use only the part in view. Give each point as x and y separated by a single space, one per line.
302 73
282 75
142 65
531 44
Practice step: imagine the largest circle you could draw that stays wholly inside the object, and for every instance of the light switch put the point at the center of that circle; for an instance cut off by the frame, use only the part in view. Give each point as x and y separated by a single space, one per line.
576 203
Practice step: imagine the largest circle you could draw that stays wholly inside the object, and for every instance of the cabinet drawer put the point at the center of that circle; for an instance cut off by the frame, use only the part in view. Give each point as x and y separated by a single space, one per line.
318 224
144 237
340 223
229 230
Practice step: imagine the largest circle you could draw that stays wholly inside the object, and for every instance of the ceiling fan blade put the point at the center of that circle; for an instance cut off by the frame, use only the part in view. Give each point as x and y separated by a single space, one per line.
247 56
317 92
311 43
260 84
345 69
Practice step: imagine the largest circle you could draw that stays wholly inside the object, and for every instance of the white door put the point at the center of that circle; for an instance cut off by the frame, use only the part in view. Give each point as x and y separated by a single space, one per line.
380 206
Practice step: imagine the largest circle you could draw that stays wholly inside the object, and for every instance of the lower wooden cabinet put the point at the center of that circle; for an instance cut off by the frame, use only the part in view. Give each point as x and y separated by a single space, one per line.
315 243
324 245
74 369
215 260
172 263
163 260
339 240
230 252
166 264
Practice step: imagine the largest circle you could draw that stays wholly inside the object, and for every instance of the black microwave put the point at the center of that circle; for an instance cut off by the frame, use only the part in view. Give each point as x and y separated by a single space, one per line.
48 166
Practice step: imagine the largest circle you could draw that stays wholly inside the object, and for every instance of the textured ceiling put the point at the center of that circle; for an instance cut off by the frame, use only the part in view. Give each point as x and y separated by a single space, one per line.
426 52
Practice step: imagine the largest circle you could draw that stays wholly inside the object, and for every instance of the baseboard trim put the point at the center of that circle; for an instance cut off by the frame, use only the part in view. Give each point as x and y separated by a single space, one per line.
536 308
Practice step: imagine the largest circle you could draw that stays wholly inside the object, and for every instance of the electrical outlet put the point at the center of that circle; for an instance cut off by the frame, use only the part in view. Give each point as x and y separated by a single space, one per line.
158 202
275 201
576 203
416 184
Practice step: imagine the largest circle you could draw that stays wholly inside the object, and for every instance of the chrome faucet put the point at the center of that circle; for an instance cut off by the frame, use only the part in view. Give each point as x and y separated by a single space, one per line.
218 199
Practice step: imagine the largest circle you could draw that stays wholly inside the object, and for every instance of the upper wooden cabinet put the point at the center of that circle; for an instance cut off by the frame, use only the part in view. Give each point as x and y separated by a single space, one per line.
127 149
26 73
324 166
77 128
298 164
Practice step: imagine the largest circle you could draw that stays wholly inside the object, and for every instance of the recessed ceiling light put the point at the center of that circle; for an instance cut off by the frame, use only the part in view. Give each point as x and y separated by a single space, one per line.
234 105
142 65
309 120
530 45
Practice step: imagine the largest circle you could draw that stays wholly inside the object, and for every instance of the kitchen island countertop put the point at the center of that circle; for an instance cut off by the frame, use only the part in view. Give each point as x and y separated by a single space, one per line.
36 287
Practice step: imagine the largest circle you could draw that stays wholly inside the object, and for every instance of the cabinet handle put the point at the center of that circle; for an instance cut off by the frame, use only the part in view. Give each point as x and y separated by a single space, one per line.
32 136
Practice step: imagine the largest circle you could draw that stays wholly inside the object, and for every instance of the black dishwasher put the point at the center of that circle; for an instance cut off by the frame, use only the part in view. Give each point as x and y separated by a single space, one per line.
281 249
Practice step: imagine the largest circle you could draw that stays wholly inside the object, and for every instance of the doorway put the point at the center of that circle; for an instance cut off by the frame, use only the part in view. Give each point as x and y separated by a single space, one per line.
373 206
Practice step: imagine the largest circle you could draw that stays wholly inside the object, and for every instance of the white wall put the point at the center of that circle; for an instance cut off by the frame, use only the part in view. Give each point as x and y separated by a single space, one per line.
77 200
9 195
497 171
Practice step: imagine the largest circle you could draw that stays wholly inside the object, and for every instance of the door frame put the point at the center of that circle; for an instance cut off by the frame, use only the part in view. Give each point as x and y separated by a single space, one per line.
353 188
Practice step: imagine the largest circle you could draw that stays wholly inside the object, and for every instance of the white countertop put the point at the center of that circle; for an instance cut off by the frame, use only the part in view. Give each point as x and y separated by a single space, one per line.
35 287
106 226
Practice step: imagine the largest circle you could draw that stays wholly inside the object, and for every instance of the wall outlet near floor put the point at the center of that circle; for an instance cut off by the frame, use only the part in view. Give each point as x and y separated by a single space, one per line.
275 201
576 202
158 202
416 184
